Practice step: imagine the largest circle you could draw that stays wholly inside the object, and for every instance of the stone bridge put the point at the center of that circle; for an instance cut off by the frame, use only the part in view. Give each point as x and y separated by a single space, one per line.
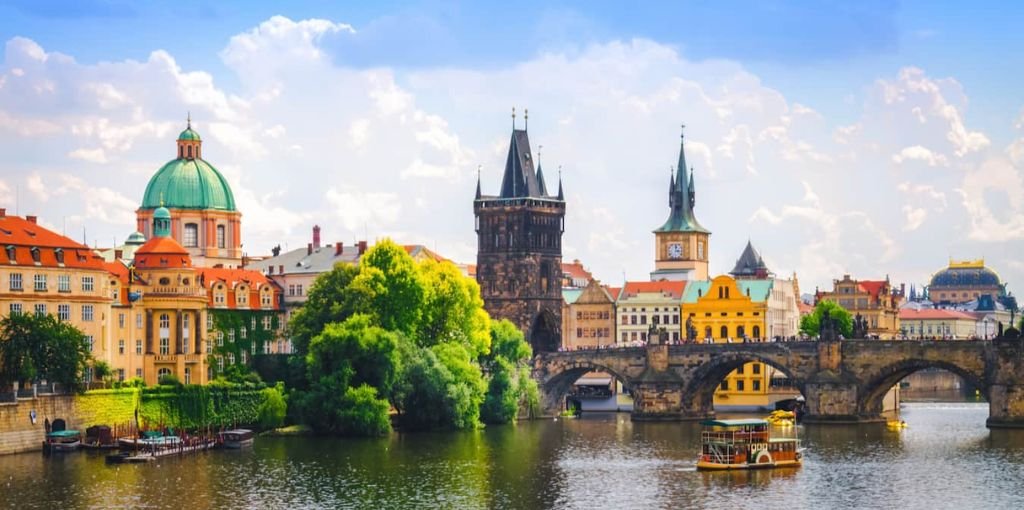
842 381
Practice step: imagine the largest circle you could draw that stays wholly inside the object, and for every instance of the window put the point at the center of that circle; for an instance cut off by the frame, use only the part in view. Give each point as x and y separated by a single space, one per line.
220 339
188 375
700 250
757 368
40 309
267 323
39 282
757 331
190 238
740 369
162 372
165 334
242 296
15 308
231 358
165 344
165 321
63 283
89 340
64 312
725 385
87 313
138 321
209 322
231 336
740 385
298 290
725 332
120 320
87 284
291 290
220 236
757 385
138 347
14 281
243 331
138 372
120 346
120 374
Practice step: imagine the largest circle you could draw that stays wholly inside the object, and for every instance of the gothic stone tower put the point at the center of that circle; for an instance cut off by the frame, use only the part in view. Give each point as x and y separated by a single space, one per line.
681 244
519 248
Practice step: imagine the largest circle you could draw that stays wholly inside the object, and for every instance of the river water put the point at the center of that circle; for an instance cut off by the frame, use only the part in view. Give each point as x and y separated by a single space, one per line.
945 459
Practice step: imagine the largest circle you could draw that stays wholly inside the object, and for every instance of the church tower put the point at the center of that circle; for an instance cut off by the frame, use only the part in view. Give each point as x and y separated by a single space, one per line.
519 248
681 244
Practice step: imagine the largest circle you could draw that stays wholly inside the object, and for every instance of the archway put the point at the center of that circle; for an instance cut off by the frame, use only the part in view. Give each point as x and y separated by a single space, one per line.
873 391
544 334
558 389
765 382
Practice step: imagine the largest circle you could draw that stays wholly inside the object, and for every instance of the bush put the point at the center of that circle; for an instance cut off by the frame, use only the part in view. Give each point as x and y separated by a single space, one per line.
363 414
501 404
169 380
273 408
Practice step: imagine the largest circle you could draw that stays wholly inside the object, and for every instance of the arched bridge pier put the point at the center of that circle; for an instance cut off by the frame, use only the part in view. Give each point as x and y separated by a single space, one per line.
842 381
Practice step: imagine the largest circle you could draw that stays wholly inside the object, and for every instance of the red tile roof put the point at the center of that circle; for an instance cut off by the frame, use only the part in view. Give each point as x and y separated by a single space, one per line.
162 253
416 249
909 314
575 270
613 292
872 287
23 235
232 278
673 288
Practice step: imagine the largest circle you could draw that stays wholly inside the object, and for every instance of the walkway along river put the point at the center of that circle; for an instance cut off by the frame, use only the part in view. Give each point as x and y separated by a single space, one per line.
947 458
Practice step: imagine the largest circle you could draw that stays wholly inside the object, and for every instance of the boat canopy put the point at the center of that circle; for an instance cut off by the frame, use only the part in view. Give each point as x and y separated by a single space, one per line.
63 433
734 423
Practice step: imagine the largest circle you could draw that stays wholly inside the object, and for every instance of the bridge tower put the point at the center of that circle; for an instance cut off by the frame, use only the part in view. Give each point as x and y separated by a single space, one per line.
519 247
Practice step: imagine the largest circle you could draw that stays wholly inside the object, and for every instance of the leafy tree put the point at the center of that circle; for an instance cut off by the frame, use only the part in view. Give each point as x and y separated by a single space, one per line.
273 408
508 342
361 352
101 370
509 387
453 310
328 300
422 396
363 414
41 347
810 324
501 403
389 287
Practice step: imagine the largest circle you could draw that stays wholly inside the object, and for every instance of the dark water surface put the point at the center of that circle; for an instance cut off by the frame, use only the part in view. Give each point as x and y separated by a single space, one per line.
945 459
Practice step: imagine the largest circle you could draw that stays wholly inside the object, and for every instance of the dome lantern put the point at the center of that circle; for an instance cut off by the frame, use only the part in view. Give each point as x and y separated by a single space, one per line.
189 143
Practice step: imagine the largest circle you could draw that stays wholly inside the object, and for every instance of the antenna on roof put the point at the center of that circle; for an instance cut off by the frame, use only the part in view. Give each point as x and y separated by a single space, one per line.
513 118
526 119
190 119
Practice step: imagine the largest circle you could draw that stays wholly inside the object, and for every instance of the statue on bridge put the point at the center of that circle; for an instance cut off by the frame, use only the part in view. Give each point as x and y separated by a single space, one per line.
860 326
656 335
691 331
827 327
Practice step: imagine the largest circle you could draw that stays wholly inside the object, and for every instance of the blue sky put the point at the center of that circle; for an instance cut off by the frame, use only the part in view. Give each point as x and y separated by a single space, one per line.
808 88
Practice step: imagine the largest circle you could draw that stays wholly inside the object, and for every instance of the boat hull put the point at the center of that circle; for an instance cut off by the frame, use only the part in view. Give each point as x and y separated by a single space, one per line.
714 466
238 445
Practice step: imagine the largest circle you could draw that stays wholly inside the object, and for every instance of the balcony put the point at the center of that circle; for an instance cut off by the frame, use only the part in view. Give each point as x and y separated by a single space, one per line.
176 291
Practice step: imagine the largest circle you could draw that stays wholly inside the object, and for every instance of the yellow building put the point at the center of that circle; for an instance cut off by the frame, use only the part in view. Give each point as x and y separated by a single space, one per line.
874 300
43 272
726 310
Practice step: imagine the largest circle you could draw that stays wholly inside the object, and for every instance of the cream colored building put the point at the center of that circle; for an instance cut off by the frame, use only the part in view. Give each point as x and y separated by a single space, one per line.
43 272
641 305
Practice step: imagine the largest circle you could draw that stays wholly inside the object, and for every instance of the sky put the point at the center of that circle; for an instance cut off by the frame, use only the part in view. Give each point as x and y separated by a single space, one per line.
872 138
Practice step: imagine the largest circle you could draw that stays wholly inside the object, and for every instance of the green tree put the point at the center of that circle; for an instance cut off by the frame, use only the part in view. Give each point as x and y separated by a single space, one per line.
501 403
41 347
362 413
510 387
389 287
811 324
101 370
363 353
328 300
453 310
422 395
273 408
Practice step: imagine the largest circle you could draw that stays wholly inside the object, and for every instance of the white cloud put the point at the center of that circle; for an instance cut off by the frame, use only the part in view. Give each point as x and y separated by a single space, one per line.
358 210
918 153
96 155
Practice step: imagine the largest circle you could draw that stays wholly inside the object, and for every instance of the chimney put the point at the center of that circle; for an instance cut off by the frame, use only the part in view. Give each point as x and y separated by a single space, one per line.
118 254
31 219
3 212
309 248
316 237
362 247
338 248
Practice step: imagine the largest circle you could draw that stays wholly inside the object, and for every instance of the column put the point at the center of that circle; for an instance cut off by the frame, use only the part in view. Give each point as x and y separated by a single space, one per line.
149 332
178 330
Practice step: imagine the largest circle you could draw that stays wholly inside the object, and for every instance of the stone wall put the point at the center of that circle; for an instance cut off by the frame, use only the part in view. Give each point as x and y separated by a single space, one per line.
19 434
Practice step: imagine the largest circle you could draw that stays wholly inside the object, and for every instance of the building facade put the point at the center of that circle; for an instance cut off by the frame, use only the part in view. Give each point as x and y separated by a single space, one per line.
932 323
519 248
874 300
43 272
681 243
588 317
641 306
965 281
206 222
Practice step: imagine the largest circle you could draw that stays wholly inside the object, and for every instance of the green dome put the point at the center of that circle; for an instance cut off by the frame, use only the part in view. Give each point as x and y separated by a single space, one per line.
188 184
161 213
136 238
188 134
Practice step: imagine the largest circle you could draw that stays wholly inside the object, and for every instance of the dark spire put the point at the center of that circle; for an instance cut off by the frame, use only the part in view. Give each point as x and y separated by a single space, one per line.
520 179
561 196
478 194
693 194
750 264
540 174
681 217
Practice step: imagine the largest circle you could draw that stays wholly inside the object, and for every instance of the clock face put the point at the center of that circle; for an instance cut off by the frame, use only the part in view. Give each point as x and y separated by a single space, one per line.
675 250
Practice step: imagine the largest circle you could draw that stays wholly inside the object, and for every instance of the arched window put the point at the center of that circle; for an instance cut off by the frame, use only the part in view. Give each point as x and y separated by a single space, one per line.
740 331
162 372
757 331
721 293
190 151
220 236
191 236
727 293
707 332
725 332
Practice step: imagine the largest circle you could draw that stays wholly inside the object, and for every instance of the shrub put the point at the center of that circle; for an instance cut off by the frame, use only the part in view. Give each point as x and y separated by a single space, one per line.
273 408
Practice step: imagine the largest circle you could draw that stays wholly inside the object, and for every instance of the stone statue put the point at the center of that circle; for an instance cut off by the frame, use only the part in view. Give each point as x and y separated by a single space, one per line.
827 327
691 332
1000 335
860 326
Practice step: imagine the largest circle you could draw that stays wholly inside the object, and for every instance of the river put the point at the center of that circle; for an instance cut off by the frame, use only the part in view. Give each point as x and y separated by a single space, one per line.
945 459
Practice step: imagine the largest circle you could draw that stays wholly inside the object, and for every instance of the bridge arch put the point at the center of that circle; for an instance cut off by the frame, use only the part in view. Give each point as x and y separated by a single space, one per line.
558 379
544 334
873 390
699 393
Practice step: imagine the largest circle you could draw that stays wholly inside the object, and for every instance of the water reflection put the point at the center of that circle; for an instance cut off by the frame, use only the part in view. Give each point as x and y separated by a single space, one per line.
945 459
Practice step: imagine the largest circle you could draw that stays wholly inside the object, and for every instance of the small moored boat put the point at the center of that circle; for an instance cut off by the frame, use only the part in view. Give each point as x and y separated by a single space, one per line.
745 444
62 441
235 439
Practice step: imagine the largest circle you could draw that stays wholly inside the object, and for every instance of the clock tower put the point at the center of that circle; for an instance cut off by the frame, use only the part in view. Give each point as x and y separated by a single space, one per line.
681 244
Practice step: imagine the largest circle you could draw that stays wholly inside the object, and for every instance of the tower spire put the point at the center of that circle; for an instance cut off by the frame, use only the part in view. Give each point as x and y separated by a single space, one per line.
561 195
188 120
526 125
478 194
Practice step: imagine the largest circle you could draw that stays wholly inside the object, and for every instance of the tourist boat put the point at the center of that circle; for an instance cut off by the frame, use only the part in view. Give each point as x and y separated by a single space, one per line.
99 437
62 441
152 440
745 444
235 439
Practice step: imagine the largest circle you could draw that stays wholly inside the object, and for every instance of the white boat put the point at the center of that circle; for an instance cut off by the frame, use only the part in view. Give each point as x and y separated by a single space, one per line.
236 439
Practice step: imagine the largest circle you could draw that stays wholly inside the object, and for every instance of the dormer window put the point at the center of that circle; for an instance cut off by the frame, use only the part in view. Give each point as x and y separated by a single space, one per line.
11 250
35 254
59 253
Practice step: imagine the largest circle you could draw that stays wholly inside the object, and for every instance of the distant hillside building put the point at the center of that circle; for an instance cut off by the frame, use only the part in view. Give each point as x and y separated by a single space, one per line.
519 248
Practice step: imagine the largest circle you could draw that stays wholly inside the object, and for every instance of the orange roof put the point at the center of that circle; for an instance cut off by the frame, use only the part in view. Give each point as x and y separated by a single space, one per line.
613 292
673 288
231 276
873 287
576 270
32 243
804 308
416 249
118 269
909 314
161 253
